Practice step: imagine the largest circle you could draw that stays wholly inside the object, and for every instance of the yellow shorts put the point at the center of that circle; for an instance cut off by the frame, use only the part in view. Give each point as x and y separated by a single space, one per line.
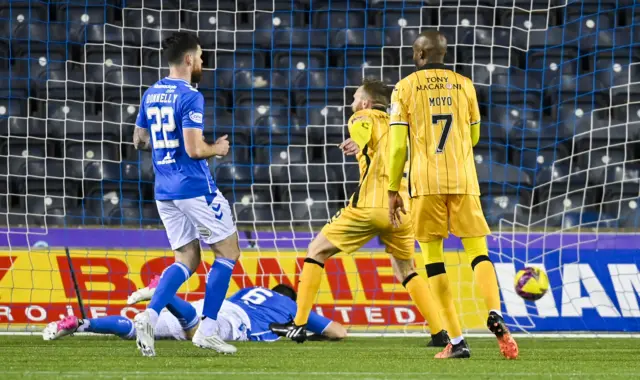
435 215
351 228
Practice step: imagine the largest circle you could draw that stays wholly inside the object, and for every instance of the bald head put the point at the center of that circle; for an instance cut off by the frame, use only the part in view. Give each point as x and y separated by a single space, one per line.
429 47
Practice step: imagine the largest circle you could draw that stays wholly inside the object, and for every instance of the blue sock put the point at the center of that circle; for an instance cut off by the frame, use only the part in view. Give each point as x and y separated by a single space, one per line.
217 286
186 314
113 324
170 281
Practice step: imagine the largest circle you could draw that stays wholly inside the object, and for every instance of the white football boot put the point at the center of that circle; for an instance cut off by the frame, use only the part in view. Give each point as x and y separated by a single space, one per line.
145 337
213 342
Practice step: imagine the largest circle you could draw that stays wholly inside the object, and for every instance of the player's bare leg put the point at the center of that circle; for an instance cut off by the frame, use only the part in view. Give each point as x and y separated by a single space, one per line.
420 293
187 260
318 252
485 276
206 336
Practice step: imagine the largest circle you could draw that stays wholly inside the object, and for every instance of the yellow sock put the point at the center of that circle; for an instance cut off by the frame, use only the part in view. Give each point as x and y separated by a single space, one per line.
421 295
433 253
483 271
310 279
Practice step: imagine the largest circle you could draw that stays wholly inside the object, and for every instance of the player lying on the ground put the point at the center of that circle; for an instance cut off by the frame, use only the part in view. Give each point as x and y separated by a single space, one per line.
246 315
436 111
365 217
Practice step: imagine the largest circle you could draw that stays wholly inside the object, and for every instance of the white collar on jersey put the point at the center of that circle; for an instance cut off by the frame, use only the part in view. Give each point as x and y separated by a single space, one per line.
182 80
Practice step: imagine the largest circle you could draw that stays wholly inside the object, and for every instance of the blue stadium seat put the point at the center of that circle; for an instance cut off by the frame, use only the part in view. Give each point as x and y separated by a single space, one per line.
592 16
232 175
46 210
152 19
335 21
403 17
13 121
122 85
22 151
240 59
85 14
324 85
527 20
512 208
560 179
32 40
621 182
515 89
280 130
338 5
281 155
250 205
566 87
502 179
616 43
15 13
159 4
629 215
293 38
360 38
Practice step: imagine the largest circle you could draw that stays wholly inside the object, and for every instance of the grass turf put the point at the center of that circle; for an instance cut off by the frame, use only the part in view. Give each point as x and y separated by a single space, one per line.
355 358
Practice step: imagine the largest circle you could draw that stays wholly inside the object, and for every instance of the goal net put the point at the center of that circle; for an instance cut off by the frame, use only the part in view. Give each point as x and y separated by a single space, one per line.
557 83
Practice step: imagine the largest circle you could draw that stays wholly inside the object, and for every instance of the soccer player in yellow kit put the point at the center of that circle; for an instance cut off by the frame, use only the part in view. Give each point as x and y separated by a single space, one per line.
437 110
365 217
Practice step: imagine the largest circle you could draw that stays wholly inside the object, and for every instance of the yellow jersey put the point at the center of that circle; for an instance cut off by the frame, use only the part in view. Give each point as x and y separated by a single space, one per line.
369 128
439 107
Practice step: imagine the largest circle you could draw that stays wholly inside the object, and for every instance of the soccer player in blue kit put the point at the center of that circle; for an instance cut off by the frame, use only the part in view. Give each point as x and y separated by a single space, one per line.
245 316
170 125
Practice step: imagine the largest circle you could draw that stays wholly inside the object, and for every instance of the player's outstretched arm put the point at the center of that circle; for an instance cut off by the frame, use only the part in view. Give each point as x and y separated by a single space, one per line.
141 139
198 149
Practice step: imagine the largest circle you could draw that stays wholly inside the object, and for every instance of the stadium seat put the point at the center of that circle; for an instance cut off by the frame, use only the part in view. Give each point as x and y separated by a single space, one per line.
502 179
13 118
122 85
592 16
15 13
232 175
403 17
280 130
515 89
84 14
151 18
22 151
560 179
160 4
335 21
252 204
45 210
511 208
281 155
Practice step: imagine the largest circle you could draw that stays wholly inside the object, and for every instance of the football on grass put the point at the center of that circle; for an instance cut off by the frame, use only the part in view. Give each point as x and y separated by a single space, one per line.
531 283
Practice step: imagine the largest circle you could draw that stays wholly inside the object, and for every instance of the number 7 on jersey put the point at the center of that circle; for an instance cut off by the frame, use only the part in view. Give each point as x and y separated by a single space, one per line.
448 120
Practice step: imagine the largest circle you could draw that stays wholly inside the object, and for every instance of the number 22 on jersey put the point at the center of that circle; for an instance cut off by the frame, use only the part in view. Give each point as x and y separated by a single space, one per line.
159 115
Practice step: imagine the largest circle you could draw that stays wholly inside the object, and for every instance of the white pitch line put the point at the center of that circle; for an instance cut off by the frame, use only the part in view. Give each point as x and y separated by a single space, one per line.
422 335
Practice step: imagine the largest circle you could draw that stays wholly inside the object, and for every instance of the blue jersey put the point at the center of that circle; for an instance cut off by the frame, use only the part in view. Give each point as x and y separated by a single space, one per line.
169 107
264 307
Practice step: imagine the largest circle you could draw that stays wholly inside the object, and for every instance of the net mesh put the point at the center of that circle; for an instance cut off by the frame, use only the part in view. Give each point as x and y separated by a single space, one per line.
557 161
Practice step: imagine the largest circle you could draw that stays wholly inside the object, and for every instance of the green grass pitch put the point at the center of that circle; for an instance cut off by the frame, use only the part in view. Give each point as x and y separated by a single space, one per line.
356 358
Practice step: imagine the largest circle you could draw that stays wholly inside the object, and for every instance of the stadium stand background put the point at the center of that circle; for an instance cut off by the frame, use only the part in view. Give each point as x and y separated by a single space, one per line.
277 77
